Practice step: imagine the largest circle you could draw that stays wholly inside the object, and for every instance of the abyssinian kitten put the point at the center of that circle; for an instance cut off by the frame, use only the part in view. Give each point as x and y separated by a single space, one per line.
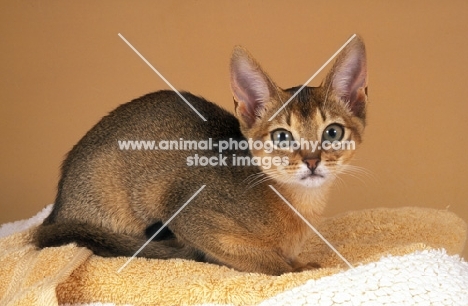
110 199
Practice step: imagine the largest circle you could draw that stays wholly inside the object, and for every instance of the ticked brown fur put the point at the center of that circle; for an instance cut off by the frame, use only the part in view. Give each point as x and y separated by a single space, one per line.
108 198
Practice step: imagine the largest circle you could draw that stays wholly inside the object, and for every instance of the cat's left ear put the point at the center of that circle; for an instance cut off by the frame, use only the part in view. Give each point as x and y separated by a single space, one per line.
348 77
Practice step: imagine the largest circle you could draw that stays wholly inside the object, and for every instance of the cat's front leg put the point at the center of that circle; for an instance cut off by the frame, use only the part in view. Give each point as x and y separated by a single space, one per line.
268 262
253 256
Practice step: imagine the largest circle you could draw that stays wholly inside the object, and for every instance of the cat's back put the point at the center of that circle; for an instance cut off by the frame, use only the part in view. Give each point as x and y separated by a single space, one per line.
158 116
164 115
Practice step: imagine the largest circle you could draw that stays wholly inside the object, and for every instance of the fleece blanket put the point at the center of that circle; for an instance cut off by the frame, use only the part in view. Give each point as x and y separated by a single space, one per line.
400 256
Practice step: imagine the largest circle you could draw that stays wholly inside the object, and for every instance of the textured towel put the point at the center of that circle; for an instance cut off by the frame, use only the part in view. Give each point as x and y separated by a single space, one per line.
422 278
73 275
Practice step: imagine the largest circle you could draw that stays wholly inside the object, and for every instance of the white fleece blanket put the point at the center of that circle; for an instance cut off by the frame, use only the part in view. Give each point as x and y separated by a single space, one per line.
428 277
421 278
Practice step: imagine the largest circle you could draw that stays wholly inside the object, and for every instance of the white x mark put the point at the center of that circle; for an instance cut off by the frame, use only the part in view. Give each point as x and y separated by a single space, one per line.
161 76
274 115
162 227
312 77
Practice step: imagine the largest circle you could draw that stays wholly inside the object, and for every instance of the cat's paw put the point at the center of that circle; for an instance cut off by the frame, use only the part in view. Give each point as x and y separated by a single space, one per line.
307 266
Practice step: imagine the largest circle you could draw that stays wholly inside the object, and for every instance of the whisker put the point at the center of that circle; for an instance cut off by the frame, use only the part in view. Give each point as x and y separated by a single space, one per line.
361 171
338 181
358 173
253 177
260 181
262 177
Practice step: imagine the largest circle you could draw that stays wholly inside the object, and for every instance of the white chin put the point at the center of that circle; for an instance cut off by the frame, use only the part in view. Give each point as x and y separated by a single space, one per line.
313 181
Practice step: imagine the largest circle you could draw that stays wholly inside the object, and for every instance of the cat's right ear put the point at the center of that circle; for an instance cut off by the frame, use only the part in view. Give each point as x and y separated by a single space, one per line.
251 87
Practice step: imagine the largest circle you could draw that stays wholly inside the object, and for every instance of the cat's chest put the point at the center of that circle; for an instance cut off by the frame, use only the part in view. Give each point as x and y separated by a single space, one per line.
294 232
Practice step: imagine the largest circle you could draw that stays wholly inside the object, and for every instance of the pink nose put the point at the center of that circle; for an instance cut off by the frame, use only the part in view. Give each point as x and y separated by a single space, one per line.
312 163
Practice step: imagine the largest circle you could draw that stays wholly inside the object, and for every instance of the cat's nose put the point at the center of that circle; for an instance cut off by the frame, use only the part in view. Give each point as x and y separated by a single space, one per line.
312 163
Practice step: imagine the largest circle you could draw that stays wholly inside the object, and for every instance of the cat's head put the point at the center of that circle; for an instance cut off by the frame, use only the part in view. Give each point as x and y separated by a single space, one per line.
330 117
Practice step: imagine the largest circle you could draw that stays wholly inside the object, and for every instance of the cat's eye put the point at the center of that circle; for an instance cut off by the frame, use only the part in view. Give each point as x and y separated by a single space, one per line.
333 132
281 136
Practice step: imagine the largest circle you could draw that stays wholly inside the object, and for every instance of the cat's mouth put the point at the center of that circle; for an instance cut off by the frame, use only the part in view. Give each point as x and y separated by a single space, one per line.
312 180
312 176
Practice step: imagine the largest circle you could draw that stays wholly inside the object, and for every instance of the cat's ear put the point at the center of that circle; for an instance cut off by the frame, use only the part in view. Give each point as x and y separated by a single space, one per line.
251 87
348 77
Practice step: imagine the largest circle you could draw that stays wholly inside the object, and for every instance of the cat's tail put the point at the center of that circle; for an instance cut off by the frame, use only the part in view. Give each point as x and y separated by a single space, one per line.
106 243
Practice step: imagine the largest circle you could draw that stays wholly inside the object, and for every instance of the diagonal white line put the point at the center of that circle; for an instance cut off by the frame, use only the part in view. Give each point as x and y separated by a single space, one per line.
162 227
312 227
161 76
312 77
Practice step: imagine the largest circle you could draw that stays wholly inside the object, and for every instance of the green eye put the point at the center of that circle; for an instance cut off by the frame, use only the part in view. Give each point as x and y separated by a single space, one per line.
333 132
280 136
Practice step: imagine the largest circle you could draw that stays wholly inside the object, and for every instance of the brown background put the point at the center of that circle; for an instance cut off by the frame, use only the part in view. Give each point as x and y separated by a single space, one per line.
63 67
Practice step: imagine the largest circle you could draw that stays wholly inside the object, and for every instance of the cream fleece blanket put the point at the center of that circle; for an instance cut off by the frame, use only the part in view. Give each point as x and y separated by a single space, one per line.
394 252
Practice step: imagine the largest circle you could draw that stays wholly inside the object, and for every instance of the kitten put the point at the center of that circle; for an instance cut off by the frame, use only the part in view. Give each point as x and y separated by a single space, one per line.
109 199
